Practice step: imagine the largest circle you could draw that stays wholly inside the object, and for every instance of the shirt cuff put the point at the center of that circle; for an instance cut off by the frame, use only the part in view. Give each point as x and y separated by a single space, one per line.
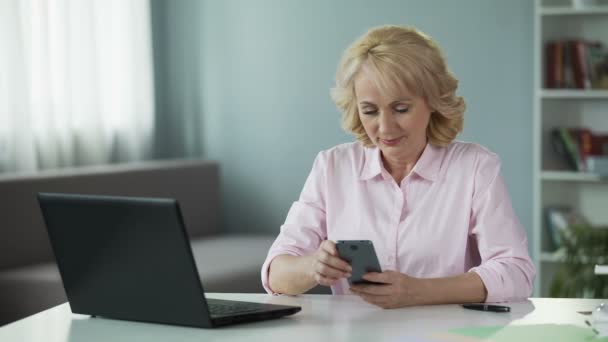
491 284
266 268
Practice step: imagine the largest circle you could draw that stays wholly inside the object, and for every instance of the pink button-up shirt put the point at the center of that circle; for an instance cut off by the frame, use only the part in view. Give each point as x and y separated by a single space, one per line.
452 214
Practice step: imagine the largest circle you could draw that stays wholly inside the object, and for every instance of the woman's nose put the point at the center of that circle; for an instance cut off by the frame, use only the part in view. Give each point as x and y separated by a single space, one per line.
386 122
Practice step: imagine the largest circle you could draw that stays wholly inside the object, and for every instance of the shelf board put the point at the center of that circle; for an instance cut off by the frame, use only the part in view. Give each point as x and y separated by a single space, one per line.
566 10
554 257
571 176
601 269
560 256
573 94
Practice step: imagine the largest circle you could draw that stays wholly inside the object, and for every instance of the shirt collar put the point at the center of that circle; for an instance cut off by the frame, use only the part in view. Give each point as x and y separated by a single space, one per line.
372 164
429 163
427 167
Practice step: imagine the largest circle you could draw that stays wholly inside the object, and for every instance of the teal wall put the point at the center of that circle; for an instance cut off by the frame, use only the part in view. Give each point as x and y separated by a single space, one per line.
248 82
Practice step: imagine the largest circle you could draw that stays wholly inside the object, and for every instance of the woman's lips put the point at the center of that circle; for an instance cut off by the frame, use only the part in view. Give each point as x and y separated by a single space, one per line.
391 142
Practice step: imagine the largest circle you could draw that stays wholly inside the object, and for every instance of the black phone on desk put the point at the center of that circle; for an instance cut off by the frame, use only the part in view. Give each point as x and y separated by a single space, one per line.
361 255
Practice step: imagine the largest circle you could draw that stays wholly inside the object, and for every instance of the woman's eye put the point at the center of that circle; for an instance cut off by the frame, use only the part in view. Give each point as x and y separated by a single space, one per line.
369 112
402 109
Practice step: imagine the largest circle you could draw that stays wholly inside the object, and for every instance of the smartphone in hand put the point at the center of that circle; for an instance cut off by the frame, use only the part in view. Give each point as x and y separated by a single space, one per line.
361 255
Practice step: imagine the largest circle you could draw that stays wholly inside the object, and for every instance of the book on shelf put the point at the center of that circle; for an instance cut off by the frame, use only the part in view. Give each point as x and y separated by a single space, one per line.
581 149
598 165
575 64
566 147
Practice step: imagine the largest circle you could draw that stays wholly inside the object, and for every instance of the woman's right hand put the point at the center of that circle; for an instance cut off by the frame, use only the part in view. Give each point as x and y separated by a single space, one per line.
327 267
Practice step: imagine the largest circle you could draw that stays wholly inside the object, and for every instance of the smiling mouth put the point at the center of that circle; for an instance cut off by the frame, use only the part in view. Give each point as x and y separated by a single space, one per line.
391 142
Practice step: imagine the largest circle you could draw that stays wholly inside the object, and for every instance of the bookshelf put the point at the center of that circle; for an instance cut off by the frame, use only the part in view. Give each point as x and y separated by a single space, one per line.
571 176
554 183
570 10
574 94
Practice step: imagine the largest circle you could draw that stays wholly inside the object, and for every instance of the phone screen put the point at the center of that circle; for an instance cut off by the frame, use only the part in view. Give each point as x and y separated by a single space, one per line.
361 255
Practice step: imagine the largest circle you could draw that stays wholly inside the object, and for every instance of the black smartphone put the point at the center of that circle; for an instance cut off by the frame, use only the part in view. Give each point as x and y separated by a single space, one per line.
361 256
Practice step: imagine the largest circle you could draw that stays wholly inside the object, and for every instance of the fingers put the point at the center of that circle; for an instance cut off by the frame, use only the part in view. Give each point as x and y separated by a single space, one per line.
393 292
375 290
329 256
330 247
334 262
328 267
386 279
326 275
326 270
325 281
376 277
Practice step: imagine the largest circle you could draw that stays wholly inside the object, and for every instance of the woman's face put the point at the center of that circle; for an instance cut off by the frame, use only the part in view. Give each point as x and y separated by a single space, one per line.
396 125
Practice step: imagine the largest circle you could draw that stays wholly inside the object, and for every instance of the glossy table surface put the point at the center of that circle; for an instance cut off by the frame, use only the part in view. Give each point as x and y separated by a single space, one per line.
323 318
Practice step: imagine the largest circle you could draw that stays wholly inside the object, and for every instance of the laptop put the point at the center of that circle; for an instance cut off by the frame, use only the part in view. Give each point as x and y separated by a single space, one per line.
130 258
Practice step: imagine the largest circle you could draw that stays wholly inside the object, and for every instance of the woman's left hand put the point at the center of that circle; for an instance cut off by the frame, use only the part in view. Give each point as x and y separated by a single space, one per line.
395 291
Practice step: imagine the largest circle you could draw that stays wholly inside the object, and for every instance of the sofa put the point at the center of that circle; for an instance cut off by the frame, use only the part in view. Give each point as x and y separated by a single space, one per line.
29 279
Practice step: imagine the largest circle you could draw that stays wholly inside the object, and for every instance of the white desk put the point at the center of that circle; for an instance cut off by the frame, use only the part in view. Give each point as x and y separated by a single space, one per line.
323 318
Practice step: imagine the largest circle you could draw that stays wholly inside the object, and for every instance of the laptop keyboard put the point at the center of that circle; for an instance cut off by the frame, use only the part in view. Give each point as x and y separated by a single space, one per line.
218 307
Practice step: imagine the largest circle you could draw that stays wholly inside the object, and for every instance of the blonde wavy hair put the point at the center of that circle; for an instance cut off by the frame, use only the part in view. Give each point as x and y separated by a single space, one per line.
401 58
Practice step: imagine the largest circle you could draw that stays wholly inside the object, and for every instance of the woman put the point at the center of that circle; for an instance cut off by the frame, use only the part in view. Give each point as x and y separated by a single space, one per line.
437 210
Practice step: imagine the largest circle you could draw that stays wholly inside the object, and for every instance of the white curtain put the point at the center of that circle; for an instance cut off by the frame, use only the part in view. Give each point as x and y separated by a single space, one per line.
76 83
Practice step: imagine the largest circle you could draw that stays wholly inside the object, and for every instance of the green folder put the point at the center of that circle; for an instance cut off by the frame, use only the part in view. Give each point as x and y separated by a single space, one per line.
524 333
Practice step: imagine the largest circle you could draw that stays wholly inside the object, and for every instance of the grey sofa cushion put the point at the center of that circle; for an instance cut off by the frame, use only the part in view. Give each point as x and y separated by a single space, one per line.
231 263
27 290
23 239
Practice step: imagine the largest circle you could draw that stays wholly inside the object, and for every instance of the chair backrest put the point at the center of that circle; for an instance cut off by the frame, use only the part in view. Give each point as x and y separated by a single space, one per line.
23 237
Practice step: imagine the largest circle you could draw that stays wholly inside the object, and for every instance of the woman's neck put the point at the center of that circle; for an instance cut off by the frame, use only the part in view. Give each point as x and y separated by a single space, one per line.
401 166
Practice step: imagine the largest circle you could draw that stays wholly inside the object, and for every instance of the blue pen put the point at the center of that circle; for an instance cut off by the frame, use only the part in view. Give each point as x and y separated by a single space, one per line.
487 307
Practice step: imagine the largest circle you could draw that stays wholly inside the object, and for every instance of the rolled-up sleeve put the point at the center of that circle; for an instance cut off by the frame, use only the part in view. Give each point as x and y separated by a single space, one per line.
506 268
305 226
